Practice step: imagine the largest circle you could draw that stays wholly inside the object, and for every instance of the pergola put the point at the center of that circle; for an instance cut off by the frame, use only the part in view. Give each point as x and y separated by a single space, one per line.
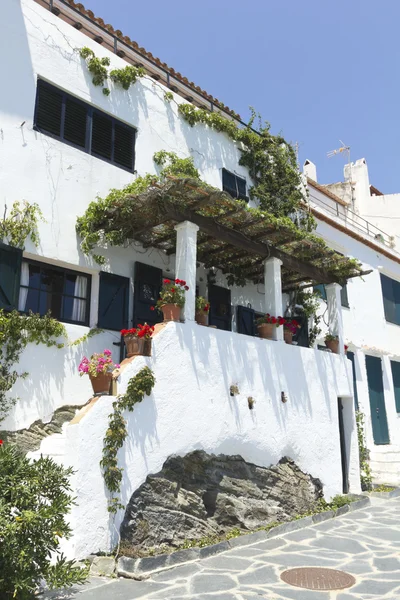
196 222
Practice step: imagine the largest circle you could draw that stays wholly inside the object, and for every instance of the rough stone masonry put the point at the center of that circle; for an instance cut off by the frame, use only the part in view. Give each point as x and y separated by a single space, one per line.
202 495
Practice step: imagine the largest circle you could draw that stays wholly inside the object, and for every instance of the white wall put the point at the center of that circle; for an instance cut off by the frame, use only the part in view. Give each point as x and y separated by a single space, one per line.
191 408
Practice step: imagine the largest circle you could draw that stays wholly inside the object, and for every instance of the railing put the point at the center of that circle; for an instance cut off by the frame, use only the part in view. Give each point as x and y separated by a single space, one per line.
354 221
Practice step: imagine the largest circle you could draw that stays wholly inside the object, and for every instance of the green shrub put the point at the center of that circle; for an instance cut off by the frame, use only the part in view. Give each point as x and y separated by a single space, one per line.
34 500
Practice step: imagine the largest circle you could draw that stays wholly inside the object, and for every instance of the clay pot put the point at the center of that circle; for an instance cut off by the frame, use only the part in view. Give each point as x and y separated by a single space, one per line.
201 318
101 383
266 331
288 336
333 345
134 345
171 312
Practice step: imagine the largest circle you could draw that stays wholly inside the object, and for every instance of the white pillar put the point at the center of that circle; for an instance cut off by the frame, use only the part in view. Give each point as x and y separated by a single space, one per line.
185 264
273 291
335 318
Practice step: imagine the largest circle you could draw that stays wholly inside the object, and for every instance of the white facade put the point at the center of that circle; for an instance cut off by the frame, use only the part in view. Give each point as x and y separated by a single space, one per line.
190 406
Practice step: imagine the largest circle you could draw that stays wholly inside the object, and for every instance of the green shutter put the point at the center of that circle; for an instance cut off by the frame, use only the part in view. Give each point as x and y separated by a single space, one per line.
396 382
351 357
10 276
321 289
344 296
377 400
113 302
389 301
245 320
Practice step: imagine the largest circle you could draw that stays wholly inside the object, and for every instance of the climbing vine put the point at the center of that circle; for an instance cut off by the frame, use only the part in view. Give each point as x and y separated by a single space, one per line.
21 224
138 387
98 68
365 469
310 304
16 332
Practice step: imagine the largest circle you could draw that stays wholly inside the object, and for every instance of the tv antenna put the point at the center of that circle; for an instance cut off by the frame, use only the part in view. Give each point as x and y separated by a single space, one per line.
343 149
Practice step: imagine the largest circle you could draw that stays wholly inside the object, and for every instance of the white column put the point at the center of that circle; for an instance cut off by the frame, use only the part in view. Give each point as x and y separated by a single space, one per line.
273 291
335 318
185 264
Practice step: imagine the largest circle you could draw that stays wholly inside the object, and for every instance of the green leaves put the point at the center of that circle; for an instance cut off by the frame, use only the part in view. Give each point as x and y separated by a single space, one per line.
21 224
34 501
98 68
137 388
365 469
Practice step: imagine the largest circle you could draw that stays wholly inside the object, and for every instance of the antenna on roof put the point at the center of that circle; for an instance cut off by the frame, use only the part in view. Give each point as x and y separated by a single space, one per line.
343 148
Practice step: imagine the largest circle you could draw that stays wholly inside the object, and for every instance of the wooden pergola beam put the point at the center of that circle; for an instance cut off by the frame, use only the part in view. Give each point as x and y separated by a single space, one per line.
236 238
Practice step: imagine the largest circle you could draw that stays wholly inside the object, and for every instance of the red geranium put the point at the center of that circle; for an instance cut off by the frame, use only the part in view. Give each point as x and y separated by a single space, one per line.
1 442
140 332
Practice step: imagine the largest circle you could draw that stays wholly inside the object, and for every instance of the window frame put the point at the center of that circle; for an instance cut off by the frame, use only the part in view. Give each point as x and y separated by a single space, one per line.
90 110
224 170
65 271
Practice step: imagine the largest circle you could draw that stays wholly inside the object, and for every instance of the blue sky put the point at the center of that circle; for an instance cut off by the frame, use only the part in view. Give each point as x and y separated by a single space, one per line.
318 71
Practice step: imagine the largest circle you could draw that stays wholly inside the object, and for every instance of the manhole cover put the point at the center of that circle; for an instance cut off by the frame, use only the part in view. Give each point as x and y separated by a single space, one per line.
313 578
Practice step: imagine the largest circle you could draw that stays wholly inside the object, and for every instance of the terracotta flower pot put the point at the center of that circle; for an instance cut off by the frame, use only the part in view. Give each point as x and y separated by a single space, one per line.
288 336
266 331
134 345
171 312
101 383
333 345
201 318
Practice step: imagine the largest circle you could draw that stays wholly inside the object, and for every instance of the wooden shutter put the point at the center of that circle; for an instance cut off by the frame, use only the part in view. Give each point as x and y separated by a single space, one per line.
10 276
48 111
396 382
344 299
388 298
302 334
220 307
321 289
101 135
113 302
147 287
351 357
75 122
124 138
377 400
245 320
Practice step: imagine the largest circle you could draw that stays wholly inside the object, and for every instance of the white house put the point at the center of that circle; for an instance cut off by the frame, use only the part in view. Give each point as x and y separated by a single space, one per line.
371 307
58 149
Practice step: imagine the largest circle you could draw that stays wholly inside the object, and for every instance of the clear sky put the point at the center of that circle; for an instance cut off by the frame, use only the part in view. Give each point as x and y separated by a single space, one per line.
317 70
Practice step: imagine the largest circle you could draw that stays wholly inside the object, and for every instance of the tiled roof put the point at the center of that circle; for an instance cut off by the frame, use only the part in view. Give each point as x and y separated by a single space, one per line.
326 191
117 33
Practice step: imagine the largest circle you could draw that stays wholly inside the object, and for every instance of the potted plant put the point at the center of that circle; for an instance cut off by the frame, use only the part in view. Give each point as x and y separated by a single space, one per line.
135 339
172 299
267 324
202 310
332 342
99 368
290 327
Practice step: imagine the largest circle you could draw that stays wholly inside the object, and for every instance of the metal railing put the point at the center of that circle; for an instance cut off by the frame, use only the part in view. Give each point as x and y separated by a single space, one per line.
354 221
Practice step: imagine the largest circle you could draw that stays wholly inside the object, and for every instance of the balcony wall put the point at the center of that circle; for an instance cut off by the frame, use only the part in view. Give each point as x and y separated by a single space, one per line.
191 408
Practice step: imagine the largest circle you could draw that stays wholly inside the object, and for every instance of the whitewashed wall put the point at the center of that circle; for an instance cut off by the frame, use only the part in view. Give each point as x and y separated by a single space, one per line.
191 408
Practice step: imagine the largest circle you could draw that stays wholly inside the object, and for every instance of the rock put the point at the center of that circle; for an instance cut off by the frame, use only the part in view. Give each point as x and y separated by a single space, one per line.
103 565
201 495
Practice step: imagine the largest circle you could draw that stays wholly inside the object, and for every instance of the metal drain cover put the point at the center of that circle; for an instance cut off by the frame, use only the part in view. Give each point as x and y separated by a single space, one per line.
315 578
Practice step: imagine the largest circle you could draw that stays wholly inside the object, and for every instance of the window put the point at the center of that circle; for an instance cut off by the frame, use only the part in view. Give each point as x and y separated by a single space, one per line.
65 293
344 300
396 382
391 299
234 185
76 123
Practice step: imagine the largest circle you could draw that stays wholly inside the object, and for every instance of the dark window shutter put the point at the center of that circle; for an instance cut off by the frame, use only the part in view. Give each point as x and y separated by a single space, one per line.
241 188
351 357
48 109
123 146
377 399
75 122
234 185
113 302
388 298
101 135
321 289
148 282
245 320
344 296
396 382
302 334
10 275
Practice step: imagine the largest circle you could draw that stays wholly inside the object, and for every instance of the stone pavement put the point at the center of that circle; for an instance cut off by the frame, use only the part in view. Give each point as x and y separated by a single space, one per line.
364 543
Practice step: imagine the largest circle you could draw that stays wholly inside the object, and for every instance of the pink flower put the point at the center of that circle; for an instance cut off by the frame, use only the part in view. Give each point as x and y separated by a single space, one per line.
117 366
107 352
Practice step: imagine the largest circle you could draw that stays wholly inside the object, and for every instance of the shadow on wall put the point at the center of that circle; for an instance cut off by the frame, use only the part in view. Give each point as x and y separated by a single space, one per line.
19 89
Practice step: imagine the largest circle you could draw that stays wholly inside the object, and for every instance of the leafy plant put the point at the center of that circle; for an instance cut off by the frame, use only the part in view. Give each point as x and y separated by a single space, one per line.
127 76
178 167
34 502
21 224
137 388
16 332
331 338
97 66
98 364
168 96
172 292
365 469
202 305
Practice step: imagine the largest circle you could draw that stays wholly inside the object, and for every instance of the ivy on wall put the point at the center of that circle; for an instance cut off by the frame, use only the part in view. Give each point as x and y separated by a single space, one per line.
138 386
365 469
21 224
125 77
